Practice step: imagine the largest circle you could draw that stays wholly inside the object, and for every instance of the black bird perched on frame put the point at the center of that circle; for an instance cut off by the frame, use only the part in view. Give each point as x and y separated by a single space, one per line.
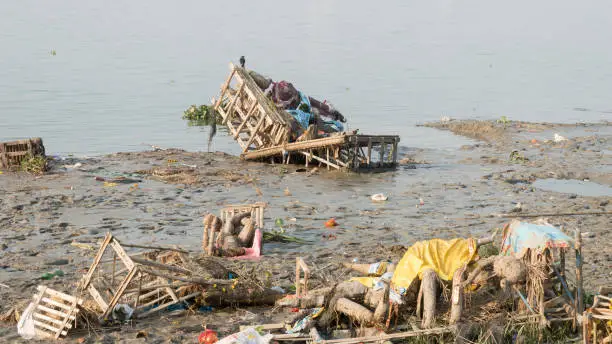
242 61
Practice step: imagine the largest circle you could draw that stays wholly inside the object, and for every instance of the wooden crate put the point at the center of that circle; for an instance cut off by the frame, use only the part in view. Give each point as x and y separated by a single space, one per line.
13 152
256 210
53 313
146 286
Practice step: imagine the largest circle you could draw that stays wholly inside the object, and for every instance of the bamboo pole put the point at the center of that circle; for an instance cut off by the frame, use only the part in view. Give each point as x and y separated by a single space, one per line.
438 330
155 248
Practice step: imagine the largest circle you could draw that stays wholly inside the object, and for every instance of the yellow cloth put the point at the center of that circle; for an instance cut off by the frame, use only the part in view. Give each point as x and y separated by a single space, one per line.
442 256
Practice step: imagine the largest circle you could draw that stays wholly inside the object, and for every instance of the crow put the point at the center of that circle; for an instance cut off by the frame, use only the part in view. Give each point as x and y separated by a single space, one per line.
242 61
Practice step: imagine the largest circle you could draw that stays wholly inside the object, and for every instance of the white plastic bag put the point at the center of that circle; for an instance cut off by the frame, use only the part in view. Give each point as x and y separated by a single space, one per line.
248 336
25 326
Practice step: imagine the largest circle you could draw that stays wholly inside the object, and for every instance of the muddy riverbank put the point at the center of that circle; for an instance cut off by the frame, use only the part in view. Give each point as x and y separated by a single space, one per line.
160 197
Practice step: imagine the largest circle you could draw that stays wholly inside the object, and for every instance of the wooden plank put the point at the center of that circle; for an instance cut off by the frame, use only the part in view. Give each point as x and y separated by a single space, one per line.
157 309
47 327
87 279
265 327
232 103
120 291
153 302
52 320
55 312
250 113
322 160
295 146
127 261
224 88
43 334
254 133
54 293
249 126
48 301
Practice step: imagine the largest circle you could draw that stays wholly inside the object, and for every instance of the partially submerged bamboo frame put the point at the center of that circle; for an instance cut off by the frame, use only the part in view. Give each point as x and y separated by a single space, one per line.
264 132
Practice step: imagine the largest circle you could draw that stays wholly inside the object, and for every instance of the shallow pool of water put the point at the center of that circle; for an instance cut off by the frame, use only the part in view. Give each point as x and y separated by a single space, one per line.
572 186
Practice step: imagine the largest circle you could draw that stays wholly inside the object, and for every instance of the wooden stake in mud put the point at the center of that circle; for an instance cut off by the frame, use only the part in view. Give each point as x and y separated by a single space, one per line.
429 284
457 296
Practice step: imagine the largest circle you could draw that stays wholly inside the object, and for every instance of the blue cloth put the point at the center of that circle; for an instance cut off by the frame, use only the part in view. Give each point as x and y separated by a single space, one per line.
520 236
302 113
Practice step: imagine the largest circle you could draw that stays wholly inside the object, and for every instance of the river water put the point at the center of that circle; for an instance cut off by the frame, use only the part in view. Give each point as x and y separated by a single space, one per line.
98 77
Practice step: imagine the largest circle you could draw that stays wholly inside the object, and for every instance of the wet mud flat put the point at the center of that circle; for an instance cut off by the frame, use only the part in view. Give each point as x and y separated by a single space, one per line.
56 221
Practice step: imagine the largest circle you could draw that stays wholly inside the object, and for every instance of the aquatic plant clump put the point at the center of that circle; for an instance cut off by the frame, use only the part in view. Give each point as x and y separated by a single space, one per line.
34 164
202 115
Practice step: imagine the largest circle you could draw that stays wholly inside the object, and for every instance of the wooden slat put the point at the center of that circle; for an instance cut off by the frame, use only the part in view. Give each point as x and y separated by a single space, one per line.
57 294
127 261
52 320
48 327
153 302
43 334
55 303
120 291
250 113
87 279
296 146
55 312
322 160
254 133
97 297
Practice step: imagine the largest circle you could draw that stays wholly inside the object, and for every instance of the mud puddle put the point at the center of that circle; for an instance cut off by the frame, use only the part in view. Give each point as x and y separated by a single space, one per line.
572 186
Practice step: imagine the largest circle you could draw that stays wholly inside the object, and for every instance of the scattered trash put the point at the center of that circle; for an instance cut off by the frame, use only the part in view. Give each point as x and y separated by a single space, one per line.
517 157
208 337
306 130
50 275
379 197
558 138
72 167
248 336
534 141
329 236
331 223
279 289
122 312
109 184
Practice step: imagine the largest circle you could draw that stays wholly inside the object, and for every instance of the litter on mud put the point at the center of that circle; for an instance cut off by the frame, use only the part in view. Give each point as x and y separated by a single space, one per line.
274 121
438 288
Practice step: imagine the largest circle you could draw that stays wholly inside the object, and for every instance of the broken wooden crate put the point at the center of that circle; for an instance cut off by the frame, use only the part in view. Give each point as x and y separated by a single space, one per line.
52 313
145 285
256 210
263 132
13 152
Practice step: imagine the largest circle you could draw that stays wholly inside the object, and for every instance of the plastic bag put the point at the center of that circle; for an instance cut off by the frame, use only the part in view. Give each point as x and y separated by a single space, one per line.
248 336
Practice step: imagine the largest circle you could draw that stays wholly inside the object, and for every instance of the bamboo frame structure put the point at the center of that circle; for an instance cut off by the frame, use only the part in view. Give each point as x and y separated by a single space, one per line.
12 153
264 132
53 313
146 286
601 311
256 210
